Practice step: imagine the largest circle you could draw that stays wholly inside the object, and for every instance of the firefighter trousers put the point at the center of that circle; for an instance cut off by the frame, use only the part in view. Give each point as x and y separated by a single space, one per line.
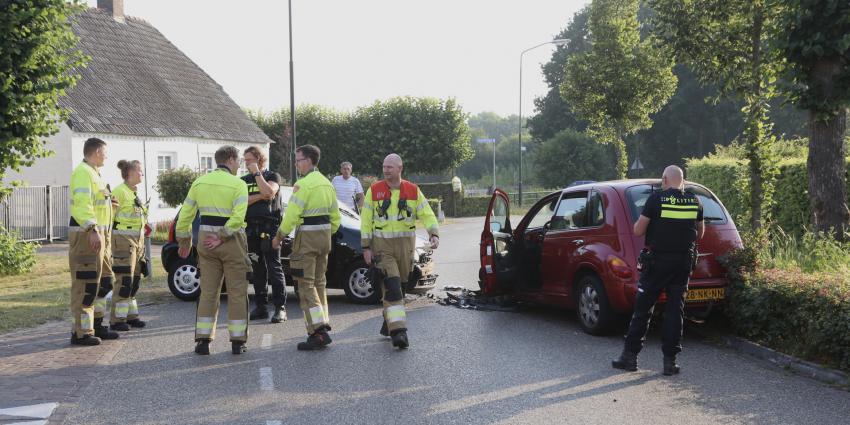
86 268
394 256
106 279
308 265
228 261
128 253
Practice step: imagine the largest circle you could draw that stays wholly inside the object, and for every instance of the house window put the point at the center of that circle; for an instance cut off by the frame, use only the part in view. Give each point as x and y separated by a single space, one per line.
164 162
207 164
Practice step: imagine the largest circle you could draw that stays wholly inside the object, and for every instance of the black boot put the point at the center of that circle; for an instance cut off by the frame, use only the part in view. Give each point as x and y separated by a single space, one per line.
136 323
384 330
399 337
238 347
103 332
120 327
670 366
317 340
202 347
84 340
259 312
279 315
627 361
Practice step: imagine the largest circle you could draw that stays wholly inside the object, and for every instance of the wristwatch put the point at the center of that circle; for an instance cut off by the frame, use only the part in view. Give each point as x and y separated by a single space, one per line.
258 174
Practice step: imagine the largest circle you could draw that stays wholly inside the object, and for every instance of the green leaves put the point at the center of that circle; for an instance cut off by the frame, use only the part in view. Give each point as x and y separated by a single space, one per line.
431 135
617 84
173 185
37 57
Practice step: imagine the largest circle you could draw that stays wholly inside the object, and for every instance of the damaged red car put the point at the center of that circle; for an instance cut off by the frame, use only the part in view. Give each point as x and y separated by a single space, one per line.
576 249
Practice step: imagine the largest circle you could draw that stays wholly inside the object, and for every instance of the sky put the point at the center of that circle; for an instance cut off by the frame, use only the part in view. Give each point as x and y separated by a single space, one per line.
350 53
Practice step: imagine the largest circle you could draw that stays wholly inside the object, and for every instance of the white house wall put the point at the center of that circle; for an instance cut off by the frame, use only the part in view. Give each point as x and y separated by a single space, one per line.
53 170
186 151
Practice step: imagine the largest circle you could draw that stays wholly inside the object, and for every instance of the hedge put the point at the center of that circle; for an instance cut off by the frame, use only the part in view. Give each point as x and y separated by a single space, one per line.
802 314
729 180
473 206
16 257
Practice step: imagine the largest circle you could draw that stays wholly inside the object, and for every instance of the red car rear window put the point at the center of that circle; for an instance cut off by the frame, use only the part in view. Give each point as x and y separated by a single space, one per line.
712 210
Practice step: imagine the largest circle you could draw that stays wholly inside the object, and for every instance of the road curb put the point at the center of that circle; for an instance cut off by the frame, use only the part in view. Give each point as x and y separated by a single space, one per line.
780 360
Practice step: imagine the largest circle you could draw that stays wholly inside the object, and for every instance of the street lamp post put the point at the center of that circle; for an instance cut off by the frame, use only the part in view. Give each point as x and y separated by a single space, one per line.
557 42
291 101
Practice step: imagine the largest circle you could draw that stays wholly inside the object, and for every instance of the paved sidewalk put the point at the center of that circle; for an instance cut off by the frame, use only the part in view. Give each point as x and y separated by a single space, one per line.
40 366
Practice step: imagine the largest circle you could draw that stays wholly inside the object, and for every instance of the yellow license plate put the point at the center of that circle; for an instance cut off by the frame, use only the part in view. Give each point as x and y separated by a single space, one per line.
705 294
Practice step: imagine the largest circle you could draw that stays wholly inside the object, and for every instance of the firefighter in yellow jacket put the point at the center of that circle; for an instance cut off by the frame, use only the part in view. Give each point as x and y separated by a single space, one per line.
128 248
91 217
313 213
222 200
388 232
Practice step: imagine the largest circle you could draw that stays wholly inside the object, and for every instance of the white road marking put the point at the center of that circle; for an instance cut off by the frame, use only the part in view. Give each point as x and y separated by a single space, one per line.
266 380
274 423
267 341
39 411
38 422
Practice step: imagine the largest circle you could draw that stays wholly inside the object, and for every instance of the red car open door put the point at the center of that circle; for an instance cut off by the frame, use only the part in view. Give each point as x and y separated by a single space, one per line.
497 268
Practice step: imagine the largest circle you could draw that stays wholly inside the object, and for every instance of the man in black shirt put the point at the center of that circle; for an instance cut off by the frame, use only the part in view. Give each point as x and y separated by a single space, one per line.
262 220
672 222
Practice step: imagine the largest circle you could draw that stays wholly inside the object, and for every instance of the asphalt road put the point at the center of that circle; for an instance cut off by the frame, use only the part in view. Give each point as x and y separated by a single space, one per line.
534 366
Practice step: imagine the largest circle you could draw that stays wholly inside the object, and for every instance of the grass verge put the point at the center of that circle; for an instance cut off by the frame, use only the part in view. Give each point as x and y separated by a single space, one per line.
42 295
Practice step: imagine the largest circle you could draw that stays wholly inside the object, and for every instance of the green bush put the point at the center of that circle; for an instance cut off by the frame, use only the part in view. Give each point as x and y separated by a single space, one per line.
727 177
16 257
473 206
173 185
805 315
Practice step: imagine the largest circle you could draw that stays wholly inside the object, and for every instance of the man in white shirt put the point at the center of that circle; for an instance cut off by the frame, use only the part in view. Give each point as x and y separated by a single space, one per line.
348 188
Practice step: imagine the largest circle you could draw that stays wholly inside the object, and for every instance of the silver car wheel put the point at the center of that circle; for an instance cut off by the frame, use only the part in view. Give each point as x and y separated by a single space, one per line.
360 284
186 279
589 306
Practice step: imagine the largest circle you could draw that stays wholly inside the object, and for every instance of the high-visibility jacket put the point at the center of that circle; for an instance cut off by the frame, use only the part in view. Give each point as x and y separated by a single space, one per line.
376 221
222 200
131 216
313 196
90 199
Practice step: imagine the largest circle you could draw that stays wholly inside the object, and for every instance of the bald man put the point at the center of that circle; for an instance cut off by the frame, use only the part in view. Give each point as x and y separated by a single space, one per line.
388 237
672 222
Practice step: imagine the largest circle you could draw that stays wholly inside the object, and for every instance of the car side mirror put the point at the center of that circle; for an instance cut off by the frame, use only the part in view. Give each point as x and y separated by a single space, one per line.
495 227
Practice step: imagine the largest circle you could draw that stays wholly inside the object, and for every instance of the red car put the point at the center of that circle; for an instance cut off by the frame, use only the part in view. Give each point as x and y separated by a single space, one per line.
575 248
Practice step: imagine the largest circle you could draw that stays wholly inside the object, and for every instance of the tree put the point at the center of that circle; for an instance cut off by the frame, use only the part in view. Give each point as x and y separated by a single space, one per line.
725 43
38 53
621 80
553 113
431 135
815 41
570 156
173 185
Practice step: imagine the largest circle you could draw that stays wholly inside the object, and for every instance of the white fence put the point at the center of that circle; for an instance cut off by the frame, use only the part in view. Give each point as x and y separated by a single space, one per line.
37 213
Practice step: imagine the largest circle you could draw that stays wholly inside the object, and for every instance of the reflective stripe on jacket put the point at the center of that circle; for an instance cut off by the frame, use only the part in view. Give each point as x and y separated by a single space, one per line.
131 213
313 196
218 194
395 223
90 204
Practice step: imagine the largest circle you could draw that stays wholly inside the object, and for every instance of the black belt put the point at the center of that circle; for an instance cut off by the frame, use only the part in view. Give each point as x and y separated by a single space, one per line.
318 219
210 220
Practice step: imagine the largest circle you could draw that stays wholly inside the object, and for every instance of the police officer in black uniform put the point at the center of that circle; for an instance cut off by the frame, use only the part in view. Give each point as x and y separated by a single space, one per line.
672 222
262 221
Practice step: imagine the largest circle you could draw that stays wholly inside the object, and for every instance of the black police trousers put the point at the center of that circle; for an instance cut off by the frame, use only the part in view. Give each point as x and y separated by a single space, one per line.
670 273
267 270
